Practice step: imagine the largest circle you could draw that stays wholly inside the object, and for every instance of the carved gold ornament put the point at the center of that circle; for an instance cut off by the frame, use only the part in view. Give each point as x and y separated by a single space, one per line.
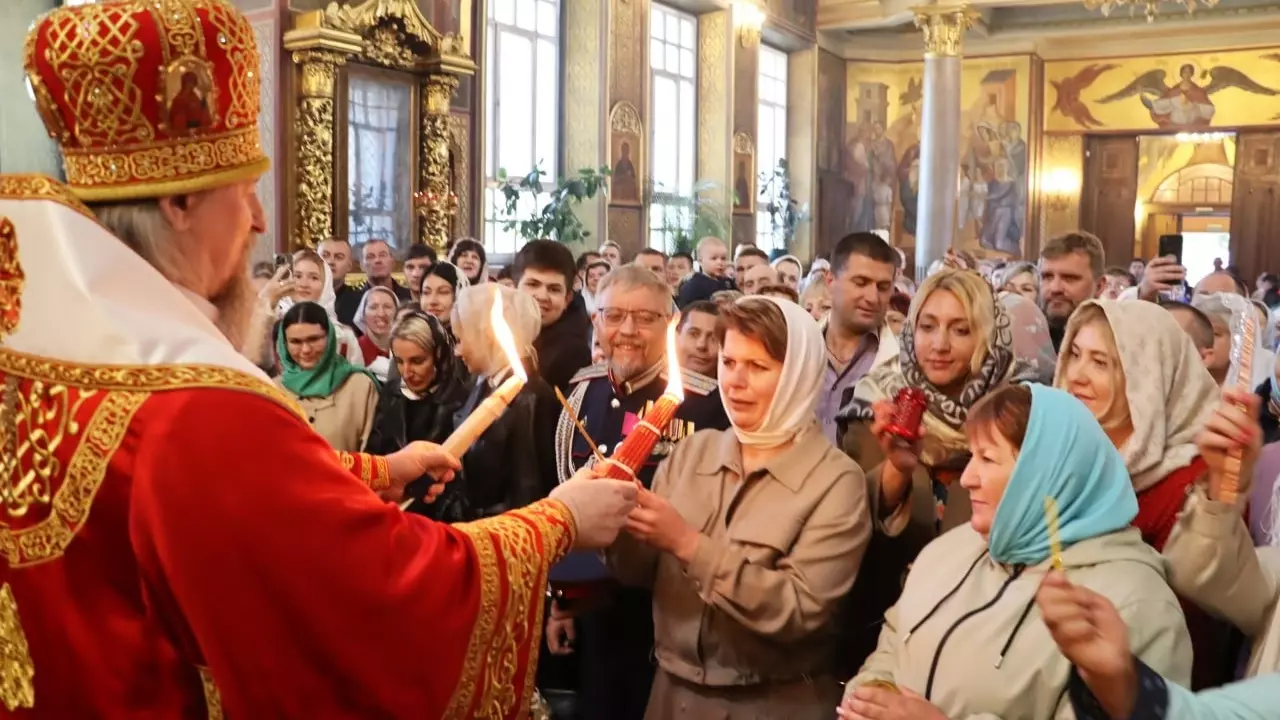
1150 7
944 27
743 144
11 279
624 118
17 672
387 33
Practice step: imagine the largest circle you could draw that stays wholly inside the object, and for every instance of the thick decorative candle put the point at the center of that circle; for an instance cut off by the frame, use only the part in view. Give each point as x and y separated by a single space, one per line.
636 448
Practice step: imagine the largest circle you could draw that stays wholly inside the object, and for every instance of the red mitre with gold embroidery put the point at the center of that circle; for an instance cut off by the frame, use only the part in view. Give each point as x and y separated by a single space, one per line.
148 98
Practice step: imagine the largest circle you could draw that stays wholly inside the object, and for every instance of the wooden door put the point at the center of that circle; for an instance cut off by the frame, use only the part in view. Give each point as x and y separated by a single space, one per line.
1158 223
1255 208
1109 193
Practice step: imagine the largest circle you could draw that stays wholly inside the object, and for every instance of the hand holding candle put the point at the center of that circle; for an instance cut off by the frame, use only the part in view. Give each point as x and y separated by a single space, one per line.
636 448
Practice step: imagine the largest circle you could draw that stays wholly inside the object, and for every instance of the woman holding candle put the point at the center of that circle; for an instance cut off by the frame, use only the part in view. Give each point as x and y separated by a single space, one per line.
419 400
958 344
339 398
1134 367
512 463
965 639
750 537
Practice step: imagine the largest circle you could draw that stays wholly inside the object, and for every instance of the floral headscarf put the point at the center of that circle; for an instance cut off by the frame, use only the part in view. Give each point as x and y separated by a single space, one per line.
945 416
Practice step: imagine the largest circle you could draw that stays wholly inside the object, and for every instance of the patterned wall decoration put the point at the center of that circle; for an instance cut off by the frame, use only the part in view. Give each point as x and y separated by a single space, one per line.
584 77
628 78
460 172
267 34
24 144
744 174
1060 213
1168 92
882 151
713 98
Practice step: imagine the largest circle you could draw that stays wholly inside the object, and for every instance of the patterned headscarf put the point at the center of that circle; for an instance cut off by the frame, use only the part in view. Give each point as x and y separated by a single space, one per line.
945 415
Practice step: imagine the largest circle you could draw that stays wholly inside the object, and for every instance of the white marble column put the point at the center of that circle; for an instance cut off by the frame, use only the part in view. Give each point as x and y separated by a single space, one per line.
943 28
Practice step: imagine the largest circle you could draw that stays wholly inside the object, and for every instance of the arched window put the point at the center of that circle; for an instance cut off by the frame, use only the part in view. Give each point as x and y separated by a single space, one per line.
1197 185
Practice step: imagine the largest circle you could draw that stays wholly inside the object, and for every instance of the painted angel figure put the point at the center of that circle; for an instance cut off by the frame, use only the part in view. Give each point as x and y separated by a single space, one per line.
1186 103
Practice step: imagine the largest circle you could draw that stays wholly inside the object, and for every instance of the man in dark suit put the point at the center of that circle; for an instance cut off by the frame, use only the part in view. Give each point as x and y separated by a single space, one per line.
614 637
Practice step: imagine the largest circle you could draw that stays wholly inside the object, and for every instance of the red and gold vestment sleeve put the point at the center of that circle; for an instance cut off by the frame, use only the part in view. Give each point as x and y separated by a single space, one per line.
515 552
372 470
275 565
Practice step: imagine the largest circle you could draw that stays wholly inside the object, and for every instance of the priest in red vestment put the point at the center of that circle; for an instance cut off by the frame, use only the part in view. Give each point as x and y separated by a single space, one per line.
176 541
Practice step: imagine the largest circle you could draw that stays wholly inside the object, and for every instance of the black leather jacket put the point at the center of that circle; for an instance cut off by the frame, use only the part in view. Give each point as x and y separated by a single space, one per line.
513 463
400 421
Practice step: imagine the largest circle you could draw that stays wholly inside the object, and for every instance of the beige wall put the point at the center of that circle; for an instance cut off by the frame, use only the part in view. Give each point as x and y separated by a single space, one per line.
25 147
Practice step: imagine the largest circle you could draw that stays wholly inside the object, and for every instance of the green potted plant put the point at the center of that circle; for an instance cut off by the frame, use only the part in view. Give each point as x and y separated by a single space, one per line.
556 219
698 216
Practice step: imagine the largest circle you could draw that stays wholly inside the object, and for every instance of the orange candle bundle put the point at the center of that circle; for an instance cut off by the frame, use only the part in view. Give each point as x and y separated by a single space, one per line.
638 445
1230 489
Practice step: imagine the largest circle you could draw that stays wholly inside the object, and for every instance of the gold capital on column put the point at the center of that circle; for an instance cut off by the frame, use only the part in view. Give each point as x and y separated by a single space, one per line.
944 27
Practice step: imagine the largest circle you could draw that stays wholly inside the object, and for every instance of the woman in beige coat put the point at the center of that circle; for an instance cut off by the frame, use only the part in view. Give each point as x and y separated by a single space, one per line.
965 640
339 398
750 537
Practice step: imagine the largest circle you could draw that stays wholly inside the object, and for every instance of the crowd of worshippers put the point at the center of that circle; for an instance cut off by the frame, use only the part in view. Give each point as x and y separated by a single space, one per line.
797 554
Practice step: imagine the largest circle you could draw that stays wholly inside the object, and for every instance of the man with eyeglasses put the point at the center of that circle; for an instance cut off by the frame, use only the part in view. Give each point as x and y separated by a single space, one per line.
615 637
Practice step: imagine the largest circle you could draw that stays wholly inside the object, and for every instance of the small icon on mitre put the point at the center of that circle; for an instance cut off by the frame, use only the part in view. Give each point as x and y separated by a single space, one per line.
189 97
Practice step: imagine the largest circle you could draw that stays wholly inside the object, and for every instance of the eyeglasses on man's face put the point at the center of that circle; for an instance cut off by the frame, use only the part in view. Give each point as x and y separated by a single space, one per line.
643 318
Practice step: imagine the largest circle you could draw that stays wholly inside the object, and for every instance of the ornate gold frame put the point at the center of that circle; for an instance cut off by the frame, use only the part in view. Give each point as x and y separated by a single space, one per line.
390 34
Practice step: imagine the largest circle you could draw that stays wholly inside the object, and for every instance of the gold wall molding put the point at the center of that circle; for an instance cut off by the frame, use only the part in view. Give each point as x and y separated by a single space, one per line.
715 125
383 33
586 70
625 118
944 27
1063 155
460 149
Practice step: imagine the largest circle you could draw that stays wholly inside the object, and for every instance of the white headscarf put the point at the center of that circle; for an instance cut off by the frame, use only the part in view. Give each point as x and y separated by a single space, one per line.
794 406
361 312
328 297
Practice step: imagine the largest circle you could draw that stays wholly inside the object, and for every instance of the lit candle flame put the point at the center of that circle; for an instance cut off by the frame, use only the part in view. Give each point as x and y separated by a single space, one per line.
506 341
675 385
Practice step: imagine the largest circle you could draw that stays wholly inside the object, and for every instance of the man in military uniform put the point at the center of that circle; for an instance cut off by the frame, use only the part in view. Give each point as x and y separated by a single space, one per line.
614 625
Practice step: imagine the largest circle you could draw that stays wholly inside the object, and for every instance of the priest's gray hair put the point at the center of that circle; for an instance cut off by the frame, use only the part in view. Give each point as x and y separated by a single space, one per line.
142 227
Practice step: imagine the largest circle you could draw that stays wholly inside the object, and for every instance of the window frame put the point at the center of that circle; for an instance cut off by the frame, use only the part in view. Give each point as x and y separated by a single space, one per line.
765 237
501 245
676 203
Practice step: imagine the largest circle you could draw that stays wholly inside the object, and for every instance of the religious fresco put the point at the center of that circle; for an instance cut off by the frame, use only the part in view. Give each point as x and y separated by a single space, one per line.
1167 92
882 151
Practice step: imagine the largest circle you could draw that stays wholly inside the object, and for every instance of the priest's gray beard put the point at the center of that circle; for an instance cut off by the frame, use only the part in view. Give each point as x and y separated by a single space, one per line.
235 303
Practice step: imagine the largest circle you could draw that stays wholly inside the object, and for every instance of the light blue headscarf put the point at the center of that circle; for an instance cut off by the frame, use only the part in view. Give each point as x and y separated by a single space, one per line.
1065 455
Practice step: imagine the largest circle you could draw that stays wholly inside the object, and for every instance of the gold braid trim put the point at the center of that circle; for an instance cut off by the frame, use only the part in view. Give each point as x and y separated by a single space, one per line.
49 538
143 378
41 187
17 671
212 699
520 546
374 470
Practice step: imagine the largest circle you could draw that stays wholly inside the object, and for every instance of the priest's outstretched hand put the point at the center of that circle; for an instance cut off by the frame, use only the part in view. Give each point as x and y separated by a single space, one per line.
414 460
599 506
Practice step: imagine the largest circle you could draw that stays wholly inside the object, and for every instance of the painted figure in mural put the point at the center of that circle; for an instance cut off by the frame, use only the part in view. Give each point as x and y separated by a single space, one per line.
1068 102
858 173
882 195
872 164
625 186
188 111
909 187
1186 103
741 187
973 199
1000 232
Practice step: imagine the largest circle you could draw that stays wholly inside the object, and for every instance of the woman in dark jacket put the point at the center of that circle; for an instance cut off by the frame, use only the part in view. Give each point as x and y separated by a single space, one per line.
513 463
423 391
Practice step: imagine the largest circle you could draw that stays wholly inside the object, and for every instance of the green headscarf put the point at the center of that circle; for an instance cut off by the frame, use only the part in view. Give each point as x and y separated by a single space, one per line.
326 377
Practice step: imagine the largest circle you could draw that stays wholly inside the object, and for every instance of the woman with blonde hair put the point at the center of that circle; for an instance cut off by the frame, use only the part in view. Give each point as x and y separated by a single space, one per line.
1142 377
1020 278
513 463
816 300
958 345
